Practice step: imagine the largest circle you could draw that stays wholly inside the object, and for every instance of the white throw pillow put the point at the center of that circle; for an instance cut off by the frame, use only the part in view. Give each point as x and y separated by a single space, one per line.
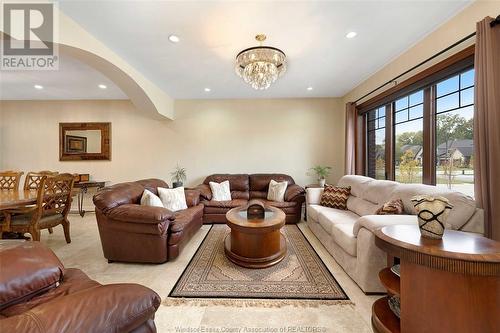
150 199
173 199
277 191
220 191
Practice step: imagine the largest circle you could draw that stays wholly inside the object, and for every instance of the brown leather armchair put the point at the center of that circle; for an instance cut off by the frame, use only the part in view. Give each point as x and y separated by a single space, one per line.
37 294
246 187
133 233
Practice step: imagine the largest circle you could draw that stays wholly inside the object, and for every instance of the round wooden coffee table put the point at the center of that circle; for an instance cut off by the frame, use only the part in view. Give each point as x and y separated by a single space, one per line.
255 243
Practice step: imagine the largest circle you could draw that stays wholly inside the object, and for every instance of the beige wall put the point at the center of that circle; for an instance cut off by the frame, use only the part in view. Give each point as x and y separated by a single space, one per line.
450 32
208 136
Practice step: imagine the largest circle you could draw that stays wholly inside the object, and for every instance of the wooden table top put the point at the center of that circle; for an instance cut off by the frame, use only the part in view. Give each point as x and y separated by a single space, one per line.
17 198
457 251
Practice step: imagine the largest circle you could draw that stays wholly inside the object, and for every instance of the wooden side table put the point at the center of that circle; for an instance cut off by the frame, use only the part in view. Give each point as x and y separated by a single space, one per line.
448 285
305 205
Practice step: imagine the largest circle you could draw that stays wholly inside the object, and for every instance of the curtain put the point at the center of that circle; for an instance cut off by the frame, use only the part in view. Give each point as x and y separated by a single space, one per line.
350 138
487 125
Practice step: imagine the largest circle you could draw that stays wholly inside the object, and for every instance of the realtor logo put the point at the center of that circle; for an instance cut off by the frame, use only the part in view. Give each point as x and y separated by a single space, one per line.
28 35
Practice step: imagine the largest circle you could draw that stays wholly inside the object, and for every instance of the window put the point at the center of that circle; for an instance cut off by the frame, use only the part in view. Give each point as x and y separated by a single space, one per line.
376 140
408 137
454 133
429 133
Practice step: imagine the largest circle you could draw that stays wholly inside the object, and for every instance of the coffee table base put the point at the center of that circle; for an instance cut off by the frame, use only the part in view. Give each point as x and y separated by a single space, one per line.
260 262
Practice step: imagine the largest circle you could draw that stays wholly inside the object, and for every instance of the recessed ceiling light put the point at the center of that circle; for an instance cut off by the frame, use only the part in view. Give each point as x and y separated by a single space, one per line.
174 38
37 86
309 88
207 89
102 86
351 34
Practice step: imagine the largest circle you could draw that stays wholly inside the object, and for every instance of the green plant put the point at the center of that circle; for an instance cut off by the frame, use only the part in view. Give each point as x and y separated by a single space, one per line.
320 171
179 174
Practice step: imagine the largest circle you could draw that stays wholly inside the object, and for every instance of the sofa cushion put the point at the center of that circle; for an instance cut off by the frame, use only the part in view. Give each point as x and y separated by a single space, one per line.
357 183
314 210
379 191
331 216
374 222
335 196
27 269
278 204
343 236
225 204
277 190
361 206
463 206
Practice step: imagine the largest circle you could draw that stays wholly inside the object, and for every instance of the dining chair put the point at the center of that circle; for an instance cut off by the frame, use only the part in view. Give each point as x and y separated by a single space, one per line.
9 180
32 180
51 209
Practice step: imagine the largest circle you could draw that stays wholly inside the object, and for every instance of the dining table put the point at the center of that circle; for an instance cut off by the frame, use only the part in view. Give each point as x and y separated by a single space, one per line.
10 199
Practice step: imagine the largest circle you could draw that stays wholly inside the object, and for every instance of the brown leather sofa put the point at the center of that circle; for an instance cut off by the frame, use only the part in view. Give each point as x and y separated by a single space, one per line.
37 294
246 187
134 233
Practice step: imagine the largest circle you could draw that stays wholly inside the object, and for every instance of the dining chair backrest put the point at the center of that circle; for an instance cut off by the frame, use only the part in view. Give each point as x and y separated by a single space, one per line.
9 180
32 180
54 195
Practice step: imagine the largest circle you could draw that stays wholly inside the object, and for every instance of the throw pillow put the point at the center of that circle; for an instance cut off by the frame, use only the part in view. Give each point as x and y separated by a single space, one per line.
150 199
335 196
392 207
220 191
277 190
173 199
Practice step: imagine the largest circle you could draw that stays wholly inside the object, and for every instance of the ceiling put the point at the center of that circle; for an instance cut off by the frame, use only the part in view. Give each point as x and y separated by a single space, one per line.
311 33
73 80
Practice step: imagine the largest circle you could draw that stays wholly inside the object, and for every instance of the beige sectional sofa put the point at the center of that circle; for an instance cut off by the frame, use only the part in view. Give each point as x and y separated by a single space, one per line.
348 234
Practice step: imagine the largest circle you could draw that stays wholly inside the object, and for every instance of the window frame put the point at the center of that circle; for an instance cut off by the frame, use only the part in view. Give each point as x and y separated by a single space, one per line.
450 67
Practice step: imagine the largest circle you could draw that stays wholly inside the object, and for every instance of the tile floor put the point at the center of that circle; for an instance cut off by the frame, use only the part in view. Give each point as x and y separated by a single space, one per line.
85 253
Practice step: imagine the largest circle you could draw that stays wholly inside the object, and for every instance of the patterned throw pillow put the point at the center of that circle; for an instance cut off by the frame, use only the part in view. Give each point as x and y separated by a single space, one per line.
173 199
150 199
335 197
392 207
277 191
220 191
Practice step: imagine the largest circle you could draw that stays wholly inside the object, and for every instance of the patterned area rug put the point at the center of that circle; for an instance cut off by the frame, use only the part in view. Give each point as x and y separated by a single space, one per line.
301 275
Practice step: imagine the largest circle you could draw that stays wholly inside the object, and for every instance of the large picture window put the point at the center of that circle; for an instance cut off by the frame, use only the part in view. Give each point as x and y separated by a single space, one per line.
425 135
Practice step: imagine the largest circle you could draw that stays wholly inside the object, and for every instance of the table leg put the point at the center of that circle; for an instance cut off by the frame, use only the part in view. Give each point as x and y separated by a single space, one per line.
81 195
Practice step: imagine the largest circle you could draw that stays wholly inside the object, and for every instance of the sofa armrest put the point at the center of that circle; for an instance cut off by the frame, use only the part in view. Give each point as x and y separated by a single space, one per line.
313 195
192 197
140 214
205 191
374 222
109 308
294 192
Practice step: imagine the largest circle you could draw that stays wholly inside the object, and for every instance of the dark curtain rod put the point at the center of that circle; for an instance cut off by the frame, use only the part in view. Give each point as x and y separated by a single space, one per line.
492 24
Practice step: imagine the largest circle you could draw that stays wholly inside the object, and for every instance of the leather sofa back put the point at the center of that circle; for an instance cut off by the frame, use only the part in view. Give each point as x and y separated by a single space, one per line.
125 193
259 183
238 184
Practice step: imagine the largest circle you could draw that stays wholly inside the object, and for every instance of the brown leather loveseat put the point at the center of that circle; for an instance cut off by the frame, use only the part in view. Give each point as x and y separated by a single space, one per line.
133 233
246 187
39 295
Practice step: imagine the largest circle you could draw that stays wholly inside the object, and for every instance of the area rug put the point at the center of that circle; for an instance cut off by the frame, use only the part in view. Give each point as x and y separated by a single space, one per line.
301 275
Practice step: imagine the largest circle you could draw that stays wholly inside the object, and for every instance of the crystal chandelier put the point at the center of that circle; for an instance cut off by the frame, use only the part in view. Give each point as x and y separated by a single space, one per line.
261 65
